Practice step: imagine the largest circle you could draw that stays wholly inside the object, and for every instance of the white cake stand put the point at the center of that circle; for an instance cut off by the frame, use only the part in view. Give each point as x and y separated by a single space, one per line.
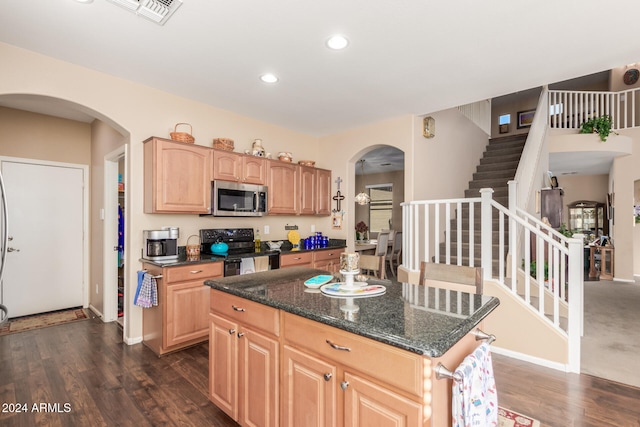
349 282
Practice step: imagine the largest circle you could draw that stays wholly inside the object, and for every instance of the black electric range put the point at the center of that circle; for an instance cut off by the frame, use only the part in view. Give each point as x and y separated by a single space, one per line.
241 245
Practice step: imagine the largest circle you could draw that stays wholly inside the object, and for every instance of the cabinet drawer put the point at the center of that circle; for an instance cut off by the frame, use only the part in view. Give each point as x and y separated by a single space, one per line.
193 272
296 259
390 365
247 312
328 255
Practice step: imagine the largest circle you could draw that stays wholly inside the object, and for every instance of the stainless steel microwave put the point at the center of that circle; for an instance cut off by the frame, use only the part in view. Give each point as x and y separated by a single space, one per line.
235 199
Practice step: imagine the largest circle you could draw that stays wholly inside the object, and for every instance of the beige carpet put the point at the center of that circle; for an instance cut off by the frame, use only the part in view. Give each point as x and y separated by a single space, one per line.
26 323
611 341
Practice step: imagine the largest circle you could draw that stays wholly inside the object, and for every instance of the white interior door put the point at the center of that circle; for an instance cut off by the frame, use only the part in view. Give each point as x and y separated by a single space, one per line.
44 267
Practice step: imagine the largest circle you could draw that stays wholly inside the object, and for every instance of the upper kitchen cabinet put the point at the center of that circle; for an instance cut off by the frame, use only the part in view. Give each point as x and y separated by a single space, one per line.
323 182
308 190
283 180
177 177
230 166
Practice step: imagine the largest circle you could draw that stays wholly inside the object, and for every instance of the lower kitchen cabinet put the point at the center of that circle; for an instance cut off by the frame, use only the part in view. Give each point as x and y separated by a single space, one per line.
244 360
324 259
330 378
181 317
328 259
309 392
296 259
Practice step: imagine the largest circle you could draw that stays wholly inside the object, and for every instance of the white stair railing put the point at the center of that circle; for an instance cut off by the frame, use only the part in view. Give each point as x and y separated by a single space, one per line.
435 234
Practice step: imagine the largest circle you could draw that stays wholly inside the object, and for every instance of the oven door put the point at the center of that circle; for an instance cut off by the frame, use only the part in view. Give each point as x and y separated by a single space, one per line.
231 267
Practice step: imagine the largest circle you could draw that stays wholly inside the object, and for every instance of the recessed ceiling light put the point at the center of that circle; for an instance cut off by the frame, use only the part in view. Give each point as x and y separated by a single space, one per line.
337 42
269 78
84 1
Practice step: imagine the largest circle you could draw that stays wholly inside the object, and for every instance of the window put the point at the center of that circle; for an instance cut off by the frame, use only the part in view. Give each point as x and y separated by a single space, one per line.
380 207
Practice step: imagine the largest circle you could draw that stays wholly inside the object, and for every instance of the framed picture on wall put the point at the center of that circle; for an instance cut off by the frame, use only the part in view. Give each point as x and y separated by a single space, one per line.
525 118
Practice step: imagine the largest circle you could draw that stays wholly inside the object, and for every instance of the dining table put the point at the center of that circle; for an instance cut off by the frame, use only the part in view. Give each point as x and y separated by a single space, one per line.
366 247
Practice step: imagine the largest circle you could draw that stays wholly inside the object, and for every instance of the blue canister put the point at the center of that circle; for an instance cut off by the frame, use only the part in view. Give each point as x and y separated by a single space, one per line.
325 242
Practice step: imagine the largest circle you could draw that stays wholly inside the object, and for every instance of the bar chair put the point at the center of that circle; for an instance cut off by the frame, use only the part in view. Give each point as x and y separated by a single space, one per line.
456 277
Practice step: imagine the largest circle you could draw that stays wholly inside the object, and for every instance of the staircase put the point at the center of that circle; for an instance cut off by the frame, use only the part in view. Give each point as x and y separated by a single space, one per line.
497 167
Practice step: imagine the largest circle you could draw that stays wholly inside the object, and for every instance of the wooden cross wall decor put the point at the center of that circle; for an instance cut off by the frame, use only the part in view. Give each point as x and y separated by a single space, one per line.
338 197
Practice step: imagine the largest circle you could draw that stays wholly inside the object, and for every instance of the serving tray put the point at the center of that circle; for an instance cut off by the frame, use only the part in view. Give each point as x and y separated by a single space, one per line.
338 290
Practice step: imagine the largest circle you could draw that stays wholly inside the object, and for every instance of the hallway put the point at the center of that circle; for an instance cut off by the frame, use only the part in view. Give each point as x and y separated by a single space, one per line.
611 343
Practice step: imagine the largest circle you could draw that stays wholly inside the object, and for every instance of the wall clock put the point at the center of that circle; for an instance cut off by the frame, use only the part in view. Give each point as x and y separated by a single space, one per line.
630 77
428 127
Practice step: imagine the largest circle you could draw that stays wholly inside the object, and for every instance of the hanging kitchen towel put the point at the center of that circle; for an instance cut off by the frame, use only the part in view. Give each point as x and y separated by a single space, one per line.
474 399
261 263
247 266
148 295
141 274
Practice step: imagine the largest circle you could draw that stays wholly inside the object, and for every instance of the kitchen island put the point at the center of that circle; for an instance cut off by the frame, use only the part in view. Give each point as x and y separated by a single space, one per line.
283 354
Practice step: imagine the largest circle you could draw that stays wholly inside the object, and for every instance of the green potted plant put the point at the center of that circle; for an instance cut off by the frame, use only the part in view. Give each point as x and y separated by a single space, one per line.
601 125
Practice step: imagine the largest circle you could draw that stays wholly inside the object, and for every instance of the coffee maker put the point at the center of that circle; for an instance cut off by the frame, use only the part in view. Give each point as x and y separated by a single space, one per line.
161 245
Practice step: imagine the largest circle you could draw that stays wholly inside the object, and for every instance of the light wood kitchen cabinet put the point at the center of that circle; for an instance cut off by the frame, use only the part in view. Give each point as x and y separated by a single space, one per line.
181 317
308 190
244 359
310 378
323 180
283 180
299 259
177 177
328 259
230 166
330 378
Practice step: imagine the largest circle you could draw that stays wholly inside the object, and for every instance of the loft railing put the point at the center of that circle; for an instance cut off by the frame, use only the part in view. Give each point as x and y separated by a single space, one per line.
569 109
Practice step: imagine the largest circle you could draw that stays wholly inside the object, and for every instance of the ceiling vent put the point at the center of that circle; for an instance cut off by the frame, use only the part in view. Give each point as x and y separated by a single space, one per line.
157 11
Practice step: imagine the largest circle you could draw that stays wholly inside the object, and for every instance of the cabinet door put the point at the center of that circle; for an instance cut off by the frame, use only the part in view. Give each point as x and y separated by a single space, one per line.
223 365
303 259
323 205
177 177
254 170
284 192
187 312
227 166
259 382
309 390
368 404
308 191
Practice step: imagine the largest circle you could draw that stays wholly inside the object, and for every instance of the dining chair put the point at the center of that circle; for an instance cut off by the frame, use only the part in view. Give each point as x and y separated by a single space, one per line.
393 256
384 237
372 265
456 277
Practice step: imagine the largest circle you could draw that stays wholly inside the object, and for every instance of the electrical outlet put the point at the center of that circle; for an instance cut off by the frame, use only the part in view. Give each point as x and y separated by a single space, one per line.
313 228
97 291
266 229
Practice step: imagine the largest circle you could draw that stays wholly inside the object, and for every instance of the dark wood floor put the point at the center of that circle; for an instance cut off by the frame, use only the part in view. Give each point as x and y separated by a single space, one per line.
87 376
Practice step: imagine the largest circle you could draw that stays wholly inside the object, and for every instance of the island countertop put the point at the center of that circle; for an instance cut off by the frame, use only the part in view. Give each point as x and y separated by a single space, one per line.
420 319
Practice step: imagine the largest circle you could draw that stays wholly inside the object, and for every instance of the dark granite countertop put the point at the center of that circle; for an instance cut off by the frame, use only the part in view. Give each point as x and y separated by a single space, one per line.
407 316
286 248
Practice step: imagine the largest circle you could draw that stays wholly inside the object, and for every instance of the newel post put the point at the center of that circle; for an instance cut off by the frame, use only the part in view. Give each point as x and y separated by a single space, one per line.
486 232
576 300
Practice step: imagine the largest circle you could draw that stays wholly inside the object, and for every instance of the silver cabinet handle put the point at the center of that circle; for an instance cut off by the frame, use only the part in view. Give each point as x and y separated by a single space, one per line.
344 385
338 347
13 250
232 331
240 334
235 308
195 271
327 376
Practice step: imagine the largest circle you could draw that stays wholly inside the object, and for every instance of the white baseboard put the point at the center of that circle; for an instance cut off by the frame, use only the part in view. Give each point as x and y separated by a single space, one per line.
97 312
132 341
530 359
615 279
